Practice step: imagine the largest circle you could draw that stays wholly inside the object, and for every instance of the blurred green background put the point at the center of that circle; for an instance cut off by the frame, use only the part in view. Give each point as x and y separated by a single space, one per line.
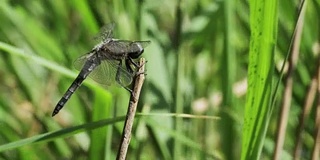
197 64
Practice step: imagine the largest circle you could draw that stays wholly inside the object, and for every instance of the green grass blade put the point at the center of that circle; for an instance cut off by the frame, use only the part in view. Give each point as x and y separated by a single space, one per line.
177 149
61 133
43 62
263 24
39 60
228 75
102 109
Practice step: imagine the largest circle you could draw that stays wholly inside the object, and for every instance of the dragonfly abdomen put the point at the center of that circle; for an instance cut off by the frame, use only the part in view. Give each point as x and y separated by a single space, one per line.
74 86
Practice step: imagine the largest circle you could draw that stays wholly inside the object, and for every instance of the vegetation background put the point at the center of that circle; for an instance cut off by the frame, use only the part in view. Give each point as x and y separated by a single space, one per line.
198 64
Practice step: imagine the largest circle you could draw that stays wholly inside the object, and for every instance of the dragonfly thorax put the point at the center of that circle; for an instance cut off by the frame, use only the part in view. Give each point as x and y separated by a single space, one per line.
101 44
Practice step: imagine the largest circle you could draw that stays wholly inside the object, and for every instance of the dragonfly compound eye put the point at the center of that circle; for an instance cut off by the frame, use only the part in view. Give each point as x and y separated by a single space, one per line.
138 50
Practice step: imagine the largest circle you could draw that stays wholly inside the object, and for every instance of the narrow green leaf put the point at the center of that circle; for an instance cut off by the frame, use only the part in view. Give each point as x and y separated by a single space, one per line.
60 134
263 24
99 138
228 75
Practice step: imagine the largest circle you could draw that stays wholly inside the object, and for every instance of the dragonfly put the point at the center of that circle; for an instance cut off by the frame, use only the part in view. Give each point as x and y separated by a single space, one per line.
104 63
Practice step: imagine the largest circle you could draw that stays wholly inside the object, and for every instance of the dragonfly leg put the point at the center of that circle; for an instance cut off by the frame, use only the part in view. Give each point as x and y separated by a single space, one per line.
118 77
128 66
138 73
131 92
128 89
118 73
134 63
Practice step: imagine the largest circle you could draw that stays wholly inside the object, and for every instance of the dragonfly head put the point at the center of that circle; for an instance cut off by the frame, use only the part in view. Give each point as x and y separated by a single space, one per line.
137 50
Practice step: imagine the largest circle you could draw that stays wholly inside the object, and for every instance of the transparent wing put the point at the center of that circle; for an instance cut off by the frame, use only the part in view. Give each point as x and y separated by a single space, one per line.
144 44
124 46
79 62
98 73
105 73
124 78
105 33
